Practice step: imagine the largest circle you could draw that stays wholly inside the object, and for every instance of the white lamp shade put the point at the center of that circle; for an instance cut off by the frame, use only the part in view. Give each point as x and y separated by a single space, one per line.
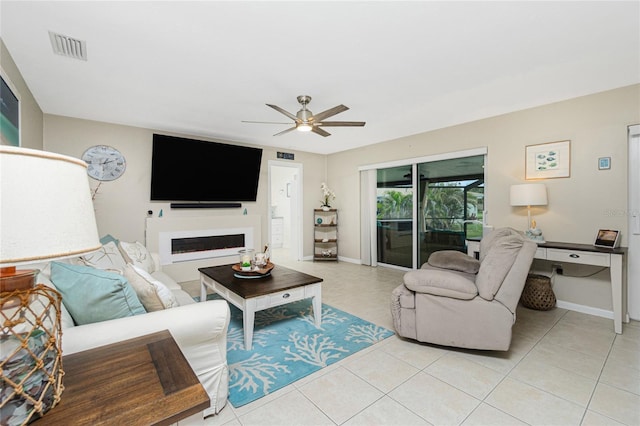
46 211
528 194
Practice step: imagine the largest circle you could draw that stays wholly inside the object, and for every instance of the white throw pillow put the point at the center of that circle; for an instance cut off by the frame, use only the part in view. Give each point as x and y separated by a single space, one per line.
107 258
154 295
137 254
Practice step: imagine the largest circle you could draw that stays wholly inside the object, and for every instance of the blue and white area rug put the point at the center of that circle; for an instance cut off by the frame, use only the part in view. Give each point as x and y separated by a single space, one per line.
288 346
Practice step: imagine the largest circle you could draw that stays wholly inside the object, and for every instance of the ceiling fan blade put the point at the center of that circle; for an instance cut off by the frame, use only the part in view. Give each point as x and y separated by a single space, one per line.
285 131
280 110
330 112
264 122
341 123
320 131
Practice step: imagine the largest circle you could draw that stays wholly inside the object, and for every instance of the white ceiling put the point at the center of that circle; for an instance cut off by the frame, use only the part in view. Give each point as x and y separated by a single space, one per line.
200 68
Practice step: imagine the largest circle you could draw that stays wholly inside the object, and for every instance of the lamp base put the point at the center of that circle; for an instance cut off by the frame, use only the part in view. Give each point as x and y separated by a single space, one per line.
16 280
535 234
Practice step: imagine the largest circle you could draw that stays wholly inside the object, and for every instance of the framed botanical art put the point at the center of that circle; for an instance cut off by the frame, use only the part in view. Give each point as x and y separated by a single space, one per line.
548 160
9 113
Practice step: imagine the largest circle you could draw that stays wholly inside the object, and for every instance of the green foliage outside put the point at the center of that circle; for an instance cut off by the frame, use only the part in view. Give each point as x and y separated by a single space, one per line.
443 208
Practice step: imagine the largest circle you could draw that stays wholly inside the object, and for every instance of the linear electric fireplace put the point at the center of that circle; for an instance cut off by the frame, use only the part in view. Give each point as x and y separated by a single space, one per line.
183 246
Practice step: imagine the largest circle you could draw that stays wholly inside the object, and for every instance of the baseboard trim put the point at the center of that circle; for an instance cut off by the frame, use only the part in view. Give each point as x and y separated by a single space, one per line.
585 309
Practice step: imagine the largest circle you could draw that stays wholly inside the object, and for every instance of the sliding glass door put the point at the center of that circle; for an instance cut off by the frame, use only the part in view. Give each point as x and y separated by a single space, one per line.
394 197
451 204
438 209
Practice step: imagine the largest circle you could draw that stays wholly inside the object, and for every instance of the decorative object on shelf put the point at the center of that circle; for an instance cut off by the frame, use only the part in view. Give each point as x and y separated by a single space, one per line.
325 234
327 196
530 194
48 215
548 160
105 163
537 293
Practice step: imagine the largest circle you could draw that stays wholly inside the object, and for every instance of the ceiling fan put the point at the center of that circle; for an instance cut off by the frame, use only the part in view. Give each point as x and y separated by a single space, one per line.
306 121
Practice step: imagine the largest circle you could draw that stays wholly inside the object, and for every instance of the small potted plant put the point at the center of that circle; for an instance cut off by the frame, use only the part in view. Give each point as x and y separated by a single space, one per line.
327 196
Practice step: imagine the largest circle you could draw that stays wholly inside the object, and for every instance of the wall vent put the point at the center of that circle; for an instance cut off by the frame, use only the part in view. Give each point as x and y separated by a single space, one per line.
68 46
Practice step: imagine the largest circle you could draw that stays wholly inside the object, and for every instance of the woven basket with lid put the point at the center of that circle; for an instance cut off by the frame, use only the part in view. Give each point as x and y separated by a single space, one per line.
537 293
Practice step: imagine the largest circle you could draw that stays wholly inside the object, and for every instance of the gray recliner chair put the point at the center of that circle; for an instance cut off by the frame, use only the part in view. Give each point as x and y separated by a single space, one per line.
456 300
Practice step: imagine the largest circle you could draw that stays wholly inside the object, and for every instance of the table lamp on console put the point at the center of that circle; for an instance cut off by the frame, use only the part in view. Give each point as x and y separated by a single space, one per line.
530 194
46 213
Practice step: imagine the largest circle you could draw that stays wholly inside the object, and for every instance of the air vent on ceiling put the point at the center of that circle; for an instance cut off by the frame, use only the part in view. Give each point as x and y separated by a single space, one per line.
68 46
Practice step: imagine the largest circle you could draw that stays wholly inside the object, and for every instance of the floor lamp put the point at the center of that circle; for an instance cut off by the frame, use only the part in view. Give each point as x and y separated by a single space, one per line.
530 194
46 213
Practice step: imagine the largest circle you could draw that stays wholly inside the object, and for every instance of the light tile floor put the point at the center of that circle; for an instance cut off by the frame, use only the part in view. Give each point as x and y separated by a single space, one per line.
563 368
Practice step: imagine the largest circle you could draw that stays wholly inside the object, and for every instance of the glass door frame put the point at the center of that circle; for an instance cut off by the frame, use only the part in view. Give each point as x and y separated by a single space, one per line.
371 227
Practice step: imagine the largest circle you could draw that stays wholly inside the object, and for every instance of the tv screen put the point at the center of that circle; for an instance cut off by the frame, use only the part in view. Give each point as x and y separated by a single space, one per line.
192 170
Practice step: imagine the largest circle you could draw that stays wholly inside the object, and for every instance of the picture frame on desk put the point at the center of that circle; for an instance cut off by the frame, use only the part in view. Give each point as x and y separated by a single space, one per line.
607 238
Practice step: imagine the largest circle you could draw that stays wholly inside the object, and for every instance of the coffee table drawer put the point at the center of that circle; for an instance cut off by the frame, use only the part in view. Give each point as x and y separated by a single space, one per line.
280 298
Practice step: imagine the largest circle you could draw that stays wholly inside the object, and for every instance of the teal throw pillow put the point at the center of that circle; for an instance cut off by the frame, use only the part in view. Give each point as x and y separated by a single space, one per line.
108 238
92 295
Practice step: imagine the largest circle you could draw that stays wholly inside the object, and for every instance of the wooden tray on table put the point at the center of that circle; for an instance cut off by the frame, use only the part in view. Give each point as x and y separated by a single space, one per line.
255 273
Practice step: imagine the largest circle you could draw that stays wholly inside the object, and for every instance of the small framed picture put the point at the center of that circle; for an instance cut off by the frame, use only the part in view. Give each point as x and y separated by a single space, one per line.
604 163
609 238
548 160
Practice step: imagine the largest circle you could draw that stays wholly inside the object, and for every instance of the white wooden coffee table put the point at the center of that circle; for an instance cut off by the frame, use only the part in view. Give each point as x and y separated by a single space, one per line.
251 295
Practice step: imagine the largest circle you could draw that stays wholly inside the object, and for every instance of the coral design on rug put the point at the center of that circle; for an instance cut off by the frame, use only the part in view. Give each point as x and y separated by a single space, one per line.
287 346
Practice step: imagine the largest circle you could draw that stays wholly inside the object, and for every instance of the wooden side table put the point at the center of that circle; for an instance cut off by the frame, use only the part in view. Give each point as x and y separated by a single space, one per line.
141 381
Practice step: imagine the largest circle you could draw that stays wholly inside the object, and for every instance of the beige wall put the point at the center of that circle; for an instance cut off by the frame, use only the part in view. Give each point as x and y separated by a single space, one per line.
30 112
590 199
121 205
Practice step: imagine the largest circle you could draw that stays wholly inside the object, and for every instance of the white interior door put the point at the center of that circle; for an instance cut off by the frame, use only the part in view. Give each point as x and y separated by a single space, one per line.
633 260
285 204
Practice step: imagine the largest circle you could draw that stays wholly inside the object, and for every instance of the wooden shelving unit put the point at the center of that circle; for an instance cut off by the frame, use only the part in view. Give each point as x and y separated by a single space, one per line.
325 234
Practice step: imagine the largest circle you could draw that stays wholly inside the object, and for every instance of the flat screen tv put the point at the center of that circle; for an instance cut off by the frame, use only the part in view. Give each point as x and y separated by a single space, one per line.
192 170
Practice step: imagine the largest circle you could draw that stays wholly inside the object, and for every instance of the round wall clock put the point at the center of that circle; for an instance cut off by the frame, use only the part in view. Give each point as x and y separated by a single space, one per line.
105 162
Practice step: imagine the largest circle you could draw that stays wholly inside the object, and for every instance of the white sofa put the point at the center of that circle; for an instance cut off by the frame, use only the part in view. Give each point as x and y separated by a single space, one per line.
200 329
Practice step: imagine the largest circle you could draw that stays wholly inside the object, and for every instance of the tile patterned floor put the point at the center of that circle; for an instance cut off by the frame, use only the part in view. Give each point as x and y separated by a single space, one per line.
563 368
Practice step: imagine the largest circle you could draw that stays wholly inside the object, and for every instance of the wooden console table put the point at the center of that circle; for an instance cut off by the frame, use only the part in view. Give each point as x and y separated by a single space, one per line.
141 381
586 254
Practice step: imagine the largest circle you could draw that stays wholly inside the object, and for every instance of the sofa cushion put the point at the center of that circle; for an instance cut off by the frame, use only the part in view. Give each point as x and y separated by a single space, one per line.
440 283
496 265
137 254
453 259
108 258
153 294
91 295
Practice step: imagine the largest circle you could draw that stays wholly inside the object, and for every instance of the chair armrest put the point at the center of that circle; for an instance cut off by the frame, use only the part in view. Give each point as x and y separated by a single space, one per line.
440 283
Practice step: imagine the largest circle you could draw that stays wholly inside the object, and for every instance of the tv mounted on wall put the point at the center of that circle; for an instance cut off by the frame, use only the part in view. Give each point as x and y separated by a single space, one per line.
193 170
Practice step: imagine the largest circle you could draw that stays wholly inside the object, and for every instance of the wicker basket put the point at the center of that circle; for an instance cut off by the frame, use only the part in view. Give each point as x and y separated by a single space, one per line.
537 293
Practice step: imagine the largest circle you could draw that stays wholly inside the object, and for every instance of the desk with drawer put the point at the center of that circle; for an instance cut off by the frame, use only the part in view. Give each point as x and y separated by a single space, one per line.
586 254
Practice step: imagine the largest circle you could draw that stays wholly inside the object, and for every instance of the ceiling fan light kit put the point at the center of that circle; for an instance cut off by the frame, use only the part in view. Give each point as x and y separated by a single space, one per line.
306 121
